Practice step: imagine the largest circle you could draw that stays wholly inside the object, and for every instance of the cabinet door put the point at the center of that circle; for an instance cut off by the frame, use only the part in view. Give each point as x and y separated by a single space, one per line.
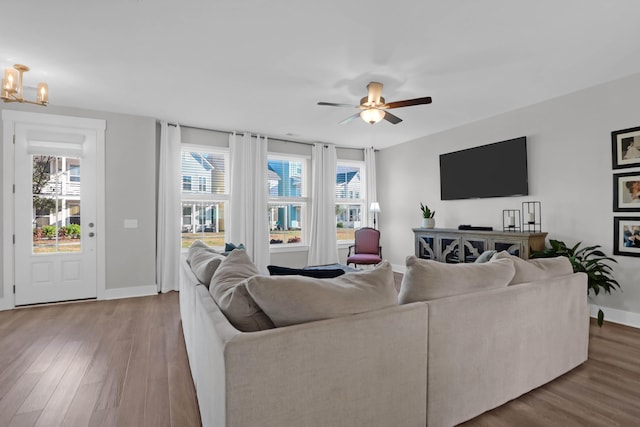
472 248
449 249
426 247
514 247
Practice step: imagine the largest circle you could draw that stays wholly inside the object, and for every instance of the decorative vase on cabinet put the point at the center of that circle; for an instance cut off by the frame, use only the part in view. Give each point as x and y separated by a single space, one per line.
428 222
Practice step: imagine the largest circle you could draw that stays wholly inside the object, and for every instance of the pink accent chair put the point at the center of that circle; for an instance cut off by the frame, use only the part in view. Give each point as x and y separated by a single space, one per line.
367 247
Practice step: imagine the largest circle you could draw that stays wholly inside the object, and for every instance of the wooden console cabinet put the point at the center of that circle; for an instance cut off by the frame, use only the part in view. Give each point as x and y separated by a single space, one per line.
455 246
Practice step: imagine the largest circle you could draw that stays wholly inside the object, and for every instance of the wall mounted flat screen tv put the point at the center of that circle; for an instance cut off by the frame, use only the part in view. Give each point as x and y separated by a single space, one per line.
493 170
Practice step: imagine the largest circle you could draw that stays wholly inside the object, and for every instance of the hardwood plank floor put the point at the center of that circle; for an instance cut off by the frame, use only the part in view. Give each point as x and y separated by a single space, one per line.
123 363
96 363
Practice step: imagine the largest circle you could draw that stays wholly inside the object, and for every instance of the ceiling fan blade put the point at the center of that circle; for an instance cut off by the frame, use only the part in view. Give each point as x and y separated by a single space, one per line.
349 119
333 104
391 118
408 102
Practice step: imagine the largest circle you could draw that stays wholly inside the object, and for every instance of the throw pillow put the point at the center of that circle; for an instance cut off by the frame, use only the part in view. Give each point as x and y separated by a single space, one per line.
425 280
228 289
197 246
485 256
275 270
289 300
228 247
204 264
536 269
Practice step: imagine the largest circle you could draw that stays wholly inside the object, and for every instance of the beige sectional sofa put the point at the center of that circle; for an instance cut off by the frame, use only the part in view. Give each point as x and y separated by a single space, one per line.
437 363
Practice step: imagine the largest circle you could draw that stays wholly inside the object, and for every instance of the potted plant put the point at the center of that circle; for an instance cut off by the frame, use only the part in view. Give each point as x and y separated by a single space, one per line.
590 260
428 220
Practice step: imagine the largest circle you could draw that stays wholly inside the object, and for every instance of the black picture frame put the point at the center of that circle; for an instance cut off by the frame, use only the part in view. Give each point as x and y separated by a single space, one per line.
624 236
626 192
621 142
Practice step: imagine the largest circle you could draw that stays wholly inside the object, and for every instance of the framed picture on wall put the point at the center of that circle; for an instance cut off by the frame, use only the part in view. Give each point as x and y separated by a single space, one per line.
626 148
626 192
626 236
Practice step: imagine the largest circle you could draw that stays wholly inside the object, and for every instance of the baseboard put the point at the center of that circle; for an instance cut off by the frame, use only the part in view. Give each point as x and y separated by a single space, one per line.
399 268
135 291
613 315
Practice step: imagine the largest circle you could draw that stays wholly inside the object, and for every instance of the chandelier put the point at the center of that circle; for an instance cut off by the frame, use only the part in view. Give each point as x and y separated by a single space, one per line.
12 87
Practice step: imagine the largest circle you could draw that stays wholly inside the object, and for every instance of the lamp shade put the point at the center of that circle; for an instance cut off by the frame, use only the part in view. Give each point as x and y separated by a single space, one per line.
375 207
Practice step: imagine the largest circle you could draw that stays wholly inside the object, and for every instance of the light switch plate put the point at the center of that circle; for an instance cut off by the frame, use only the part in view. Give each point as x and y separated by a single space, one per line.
130 223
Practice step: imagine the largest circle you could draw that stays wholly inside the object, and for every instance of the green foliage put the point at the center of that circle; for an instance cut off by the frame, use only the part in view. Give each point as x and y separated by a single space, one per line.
426 212
49 231
340 225
72 230
589 260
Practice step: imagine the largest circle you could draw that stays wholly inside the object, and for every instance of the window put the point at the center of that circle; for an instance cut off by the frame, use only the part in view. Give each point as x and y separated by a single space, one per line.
287 186
186 183
204 205
350 209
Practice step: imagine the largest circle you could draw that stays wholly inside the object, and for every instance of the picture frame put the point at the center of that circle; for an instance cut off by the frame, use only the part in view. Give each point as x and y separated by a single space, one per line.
625 146
626 236
626 192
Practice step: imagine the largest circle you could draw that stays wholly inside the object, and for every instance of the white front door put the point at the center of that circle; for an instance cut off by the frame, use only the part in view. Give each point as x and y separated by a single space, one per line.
55 213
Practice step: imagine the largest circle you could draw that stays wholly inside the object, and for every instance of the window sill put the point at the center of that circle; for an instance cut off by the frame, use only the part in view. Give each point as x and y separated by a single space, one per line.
288 248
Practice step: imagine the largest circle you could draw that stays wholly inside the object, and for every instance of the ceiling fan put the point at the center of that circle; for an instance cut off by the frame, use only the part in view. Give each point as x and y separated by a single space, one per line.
373 106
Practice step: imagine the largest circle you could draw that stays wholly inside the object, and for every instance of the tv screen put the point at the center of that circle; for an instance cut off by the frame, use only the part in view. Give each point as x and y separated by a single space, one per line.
494 170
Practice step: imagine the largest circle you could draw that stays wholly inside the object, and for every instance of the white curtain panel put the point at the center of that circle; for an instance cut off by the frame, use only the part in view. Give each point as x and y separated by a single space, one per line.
371 192
323 247
168 229
248 218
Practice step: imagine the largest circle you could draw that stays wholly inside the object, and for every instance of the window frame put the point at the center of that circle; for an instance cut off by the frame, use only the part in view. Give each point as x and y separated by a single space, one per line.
361 201
303 200
196 196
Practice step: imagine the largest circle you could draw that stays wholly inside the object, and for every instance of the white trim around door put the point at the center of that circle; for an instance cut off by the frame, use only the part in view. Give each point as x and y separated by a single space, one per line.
10 119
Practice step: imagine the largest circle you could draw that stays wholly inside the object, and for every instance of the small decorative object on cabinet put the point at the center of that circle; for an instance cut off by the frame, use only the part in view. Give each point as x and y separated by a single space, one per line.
454 246
511 220
428 220
531 216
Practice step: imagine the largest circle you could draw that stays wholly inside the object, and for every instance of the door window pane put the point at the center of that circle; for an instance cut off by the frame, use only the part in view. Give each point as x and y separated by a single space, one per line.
56 204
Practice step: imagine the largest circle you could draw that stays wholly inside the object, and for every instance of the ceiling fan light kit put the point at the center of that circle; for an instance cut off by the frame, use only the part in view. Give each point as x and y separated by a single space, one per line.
12 87
373 106
372 115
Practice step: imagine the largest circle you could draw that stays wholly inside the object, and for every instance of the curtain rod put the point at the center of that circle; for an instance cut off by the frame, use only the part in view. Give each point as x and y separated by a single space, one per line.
279 139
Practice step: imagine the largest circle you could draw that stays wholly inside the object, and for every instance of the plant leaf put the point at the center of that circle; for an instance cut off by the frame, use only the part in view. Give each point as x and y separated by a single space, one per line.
600 317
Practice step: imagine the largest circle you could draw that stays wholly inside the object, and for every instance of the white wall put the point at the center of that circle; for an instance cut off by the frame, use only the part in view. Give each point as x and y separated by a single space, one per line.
130 193
569 155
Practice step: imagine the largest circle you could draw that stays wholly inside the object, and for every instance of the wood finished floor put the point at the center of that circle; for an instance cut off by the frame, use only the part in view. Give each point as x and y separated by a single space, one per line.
123 363
98 363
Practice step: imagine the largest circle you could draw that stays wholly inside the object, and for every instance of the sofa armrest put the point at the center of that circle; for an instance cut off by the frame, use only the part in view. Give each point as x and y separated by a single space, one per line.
486 348
367 369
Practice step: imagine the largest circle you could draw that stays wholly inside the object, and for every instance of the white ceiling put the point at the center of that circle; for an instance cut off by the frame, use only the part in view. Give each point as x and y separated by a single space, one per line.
261 66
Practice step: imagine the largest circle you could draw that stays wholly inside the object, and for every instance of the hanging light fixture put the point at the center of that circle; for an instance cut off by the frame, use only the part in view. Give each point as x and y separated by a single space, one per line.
12 87
372 115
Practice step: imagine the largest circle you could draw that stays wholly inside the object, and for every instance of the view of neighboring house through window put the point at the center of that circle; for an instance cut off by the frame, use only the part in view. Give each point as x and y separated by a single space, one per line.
56 204
287 199
204 203
350 213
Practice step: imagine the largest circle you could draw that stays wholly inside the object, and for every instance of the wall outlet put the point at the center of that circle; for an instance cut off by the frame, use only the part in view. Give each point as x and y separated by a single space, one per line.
130 223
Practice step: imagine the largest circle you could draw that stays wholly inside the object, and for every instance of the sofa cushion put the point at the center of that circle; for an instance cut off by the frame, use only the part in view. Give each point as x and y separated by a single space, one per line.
329 273
199 246
204 264
536 269
289 300
230 293
485 256
426 280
